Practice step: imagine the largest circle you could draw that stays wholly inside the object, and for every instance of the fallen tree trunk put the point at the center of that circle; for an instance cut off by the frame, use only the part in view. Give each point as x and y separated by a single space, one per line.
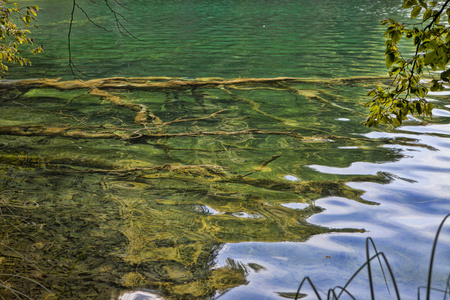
102 88
165 83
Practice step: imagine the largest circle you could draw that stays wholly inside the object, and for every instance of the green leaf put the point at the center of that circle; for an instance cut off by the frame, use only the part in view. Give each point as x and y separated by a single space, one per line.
369 122
447 37
409 3
396 121
432 45
428 109
438 19
416 40
416 11
445 75
416 107
430 57
375 108
390 58
395 71
434 85
396 36
422 92
427 14
423 4
372 92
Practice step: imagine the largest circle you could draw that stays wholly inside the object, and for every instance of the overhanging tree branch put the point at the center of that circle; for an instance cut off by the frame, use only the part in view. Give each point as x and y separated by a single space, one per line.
118 19
406 95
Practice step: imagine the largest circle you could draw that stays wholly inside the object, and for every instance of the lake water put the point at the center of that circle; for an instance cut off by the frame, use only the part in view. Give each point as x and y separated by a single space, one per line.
278 180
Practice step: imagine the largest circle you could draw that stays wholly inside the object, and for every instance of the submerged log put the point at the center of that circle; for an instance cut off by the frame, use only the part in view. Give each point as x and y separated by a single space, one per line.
168 83
102 88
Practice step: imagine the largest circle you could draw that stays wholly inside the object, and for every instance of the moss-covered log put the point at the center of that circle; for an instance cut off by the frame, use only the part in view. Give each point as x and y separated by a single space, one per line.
168 83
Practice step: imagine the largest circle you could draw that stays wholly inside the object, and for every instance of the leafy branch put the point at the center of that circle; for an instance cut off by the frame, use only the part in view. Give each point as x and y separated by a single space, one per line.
11 36
406 95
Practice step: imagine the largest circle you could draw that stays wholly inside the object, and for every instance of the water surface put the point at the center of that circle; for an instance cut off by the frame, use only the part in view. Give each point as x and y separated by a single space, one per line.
242 216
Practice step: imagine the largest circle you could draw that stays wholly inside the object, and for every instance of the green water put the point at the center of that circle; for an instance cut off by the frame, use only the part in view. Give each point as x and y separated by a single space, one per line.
211 38
238 209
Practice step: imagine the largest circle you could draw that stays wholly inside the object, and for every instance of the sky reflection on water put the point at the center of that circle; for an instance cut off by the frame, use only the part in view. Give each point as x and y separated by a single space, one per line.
403 225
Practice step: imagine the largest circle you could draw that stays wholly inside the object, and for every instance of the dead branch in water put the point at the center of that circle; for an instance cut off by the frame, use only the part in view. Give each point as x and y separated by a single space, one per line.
134 135
166 83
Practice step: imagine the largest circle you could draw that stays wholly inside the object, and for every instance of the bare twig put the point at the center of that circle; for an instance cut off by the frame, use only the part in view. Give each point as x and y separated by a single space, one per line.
119 18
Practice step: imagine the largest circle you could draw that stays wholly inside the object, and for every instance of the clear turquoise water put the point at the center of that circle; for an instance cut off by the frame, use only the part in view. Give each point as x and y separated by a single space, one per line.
221 39
230 39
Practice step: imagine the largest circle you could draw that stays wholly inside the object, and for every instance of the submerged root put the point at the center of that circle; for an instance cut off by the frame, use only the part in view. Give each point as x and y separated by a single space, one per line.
184 119
255 107
142 112
314 95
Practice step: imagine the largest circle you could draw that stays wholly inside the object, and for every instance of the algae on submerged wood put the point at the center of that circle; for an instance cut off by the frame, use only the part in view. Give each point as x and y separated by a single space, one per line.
121 183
